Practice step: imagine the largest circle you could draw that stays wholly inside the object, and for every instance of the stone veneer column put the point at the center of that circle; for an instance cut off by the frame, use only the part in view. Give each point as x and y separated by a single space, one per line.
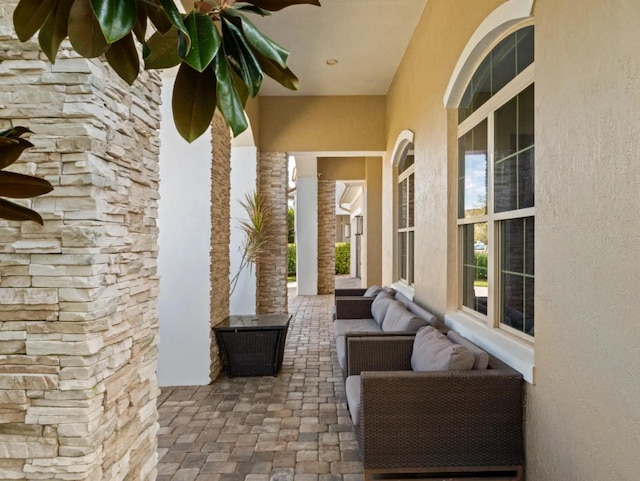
220 230
326 237
271 268
78 313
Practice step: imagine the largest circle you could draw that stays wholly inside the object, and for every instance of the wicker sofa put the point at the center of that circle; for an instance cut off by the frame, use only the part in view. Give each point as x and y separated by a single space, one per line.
456 423
389 313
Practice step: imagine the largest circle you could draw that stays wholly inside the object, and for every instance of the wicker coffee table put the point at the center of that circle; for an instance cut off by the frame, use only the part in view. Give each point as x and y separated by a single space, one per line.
252 345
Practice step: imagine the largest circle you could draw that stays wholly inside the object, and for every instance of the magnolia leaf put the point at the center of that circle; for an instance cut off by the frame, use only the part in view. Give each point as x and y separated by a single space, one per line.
275 5
85 33
123 58
116 17
20 186
241 88
158 16
12 211
30 15
252 9
10 152
161 51
175 17
241 57
54 30
284 76
193 101
258 41
229 101
205 40
140 28
15 132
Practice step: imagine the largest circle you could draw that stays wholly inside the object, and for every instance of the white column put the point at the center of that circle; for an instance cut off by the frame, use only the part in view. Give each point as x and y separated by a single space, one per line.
184 219
243 181
307 225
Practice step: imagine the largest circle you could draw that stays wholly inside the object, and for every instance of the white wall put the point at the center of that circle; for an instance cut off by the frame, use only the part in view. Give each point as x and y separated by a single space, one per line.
243 180
307 225
184 258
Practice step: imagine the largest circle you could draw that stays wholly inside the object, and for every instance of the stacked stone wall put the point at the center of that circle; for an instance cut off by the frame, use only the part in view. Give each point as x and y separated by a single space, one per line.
271 268
220 230
326 237
78 313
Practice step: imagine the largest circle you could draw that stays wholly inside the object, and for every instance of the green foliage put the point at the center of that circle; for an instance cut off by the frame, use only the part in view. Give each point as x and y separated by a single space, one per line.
18 186
223 56
291 260
481 264
291 222
343 258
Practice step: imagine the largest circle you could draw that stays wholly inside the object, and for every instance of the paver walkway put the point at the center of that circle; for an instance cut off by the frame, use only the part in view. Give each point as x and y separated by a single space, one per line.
295 427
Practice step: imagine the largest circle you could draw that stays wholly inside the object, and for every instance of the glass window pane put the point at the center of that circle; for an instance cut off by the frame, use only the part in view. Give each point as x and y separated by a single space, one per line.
526 179
475 267
473 174
402 204
410 258
406 160
506 130
529 239
503 63
525 40
526 118
402 254
410 189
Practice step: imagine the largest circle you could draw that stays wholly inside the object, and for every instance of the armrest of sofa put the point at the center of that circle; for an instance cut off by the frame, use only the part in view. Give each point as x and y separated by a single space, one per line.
354 291
378 352
456 418
353 307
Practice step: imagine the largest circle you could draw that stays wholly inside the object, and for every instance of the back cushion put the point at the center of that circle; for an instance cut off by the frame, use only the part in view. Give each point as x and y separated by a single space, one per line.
373 291
481 357
398 318
380 305
432 351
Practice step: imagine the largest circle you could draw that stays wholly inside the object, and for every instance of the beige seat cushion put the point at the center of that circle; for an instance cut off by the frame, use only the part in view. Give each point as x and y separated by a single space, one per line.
481 357
432 351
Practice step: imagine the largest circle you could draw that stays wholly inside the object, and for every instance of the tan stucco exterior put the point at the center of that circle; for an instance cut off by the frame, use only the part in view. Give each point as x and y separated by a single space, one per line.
341 168
582 416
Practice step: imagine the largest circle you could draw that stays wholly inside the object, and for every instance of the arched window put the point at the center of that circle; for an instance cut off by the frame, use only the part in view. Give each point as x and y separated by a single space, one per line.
496 205
405 215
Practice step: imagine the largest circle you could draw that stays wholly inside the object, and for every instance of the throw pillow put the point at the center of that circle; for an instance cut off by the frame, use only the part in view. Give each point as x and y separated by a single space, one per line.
481 356
373 291
432 351
380 305
398 319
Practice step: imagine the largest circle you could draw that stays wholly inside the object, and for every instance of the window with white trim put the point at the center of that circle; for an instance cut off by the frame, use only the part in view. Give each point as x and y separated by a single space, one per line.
496 206
406 216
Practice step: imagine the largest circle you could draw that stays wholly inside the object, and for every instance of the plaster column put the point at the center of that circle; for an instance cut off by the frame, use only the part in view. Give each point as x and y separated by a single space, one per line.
307 225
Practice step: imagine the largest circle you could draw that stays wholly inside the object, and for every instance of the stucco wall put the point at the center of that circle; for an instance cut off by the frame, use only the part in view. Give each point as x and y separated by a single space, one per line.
583 417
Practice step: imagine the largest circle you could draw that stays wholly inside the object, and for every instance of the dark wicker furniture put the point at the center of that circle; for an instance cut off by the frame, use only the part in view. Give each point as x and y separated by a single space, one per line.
252 345
454 424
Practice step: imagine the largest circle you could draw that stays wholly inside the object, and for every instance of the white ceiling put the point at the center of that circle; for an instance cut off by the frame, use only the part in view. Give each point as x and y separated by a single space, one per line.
367 37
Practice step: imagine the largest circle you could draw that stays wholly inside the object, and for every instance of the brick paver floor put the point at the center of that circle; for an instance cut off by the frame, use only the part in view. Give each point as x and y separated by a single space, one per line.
294 427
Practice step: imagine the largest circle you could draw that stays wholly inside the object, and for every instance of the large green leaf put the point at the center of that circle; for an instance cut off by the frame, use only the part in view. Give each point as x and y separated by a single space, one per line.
260 42
11 149
241 57
241 88
20 186
229 101
14 132
175 17
252 9
12 211
275 5
123 58
193 101
284 76
116 17
54 30
205 40
30 15
161 51
158 16
85 33
140 28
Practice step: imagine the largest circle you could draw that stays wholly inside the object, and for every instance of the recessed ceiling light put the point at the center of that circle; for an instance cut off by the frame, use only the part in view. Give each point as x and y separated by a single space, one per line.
331 62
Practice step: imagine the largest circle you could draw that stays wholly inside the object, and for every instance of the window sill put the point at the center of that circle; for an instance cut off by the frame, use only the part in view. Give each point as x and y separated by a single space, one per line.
405 289
516 354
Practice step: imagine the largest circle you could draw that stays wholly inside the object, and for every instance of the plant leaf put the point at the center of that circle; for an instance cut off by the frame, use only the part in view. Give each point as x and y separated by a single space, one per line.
193 101
241 57
229 101
54 30
116 17
140 28
275 5
258 41
30 15
161 51
12 211
175 17
123 58
85 33
284 76
205 40
15 132
10 152
158 16
241 88
252 9
20 186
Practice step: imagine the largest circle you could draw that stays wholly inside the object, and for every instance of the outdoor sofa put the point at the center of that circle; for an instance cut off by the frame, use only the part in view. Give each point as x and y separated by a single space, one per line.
430 403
